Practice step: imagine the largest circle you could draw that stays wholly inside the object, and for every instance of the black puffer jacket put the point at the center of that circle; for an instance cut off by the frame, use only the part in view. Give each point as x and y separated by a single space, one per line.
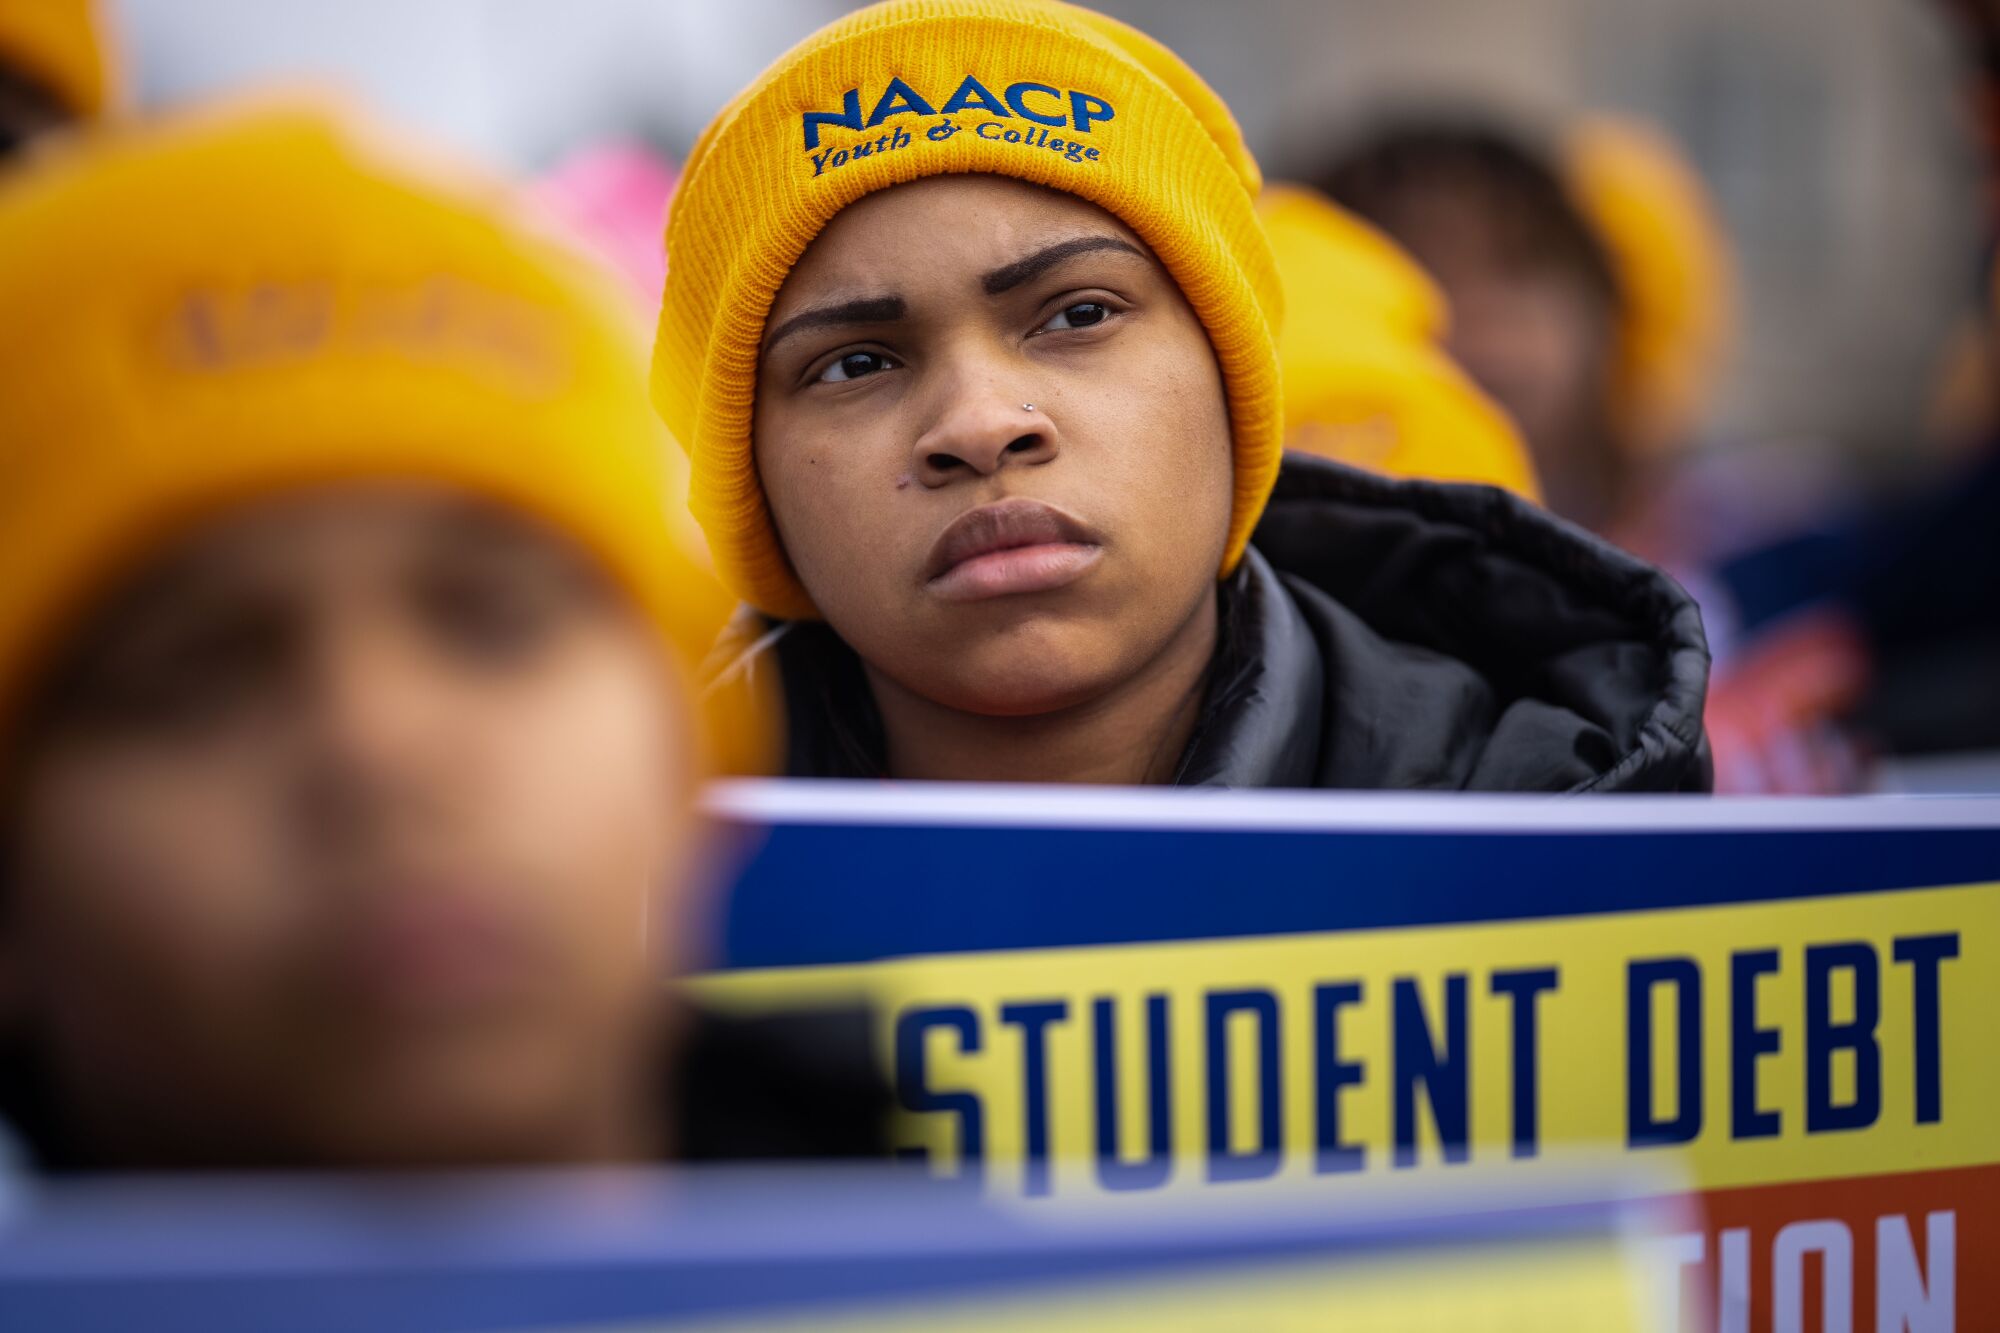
1380 634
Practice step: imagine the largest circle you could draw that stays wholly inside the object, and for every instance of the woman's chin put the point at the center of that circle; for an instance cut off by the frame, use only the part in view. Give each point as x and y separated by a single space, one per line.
1040 669
1027 690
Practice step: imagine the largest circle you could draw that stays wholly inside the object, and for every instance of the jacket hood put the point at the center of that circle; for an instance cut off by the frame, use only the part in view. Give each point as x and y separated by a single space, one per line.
1380 634
1409 634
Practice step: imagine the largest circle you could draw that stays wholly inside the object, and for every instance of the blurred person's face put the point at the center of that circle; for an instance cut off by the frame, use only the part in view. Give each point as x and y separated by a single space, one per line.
26 113
347 835
1537 340
974 553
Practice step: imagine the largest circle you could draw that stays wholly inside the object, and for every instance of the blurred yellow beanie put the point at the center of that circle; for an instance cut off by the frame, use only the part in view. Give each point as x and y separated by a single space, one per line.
256 299
59 44
1672 260
1365 380
1033 89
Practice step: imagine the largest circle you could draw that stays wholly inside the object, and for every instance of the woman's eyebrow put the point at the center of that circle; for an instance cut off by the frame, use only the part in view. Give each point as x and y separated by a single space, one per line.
868 310
464 525
1021 270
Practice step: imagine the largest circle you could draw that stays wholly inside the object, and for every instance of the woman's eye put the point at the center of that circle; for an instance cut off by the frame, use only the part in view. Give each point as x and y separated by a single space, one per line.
481 619
215 672
854 366
1079 316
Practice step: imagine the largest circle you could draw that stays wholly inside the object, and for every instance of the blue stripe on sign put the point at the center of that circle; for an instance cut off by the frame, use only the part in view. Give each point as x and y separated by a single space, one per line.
444 1289
823 893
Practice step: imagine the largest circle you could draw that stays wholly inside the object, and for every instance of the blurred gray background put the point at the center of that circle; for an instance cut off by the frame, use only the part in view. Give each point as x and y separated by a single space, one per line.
1831 131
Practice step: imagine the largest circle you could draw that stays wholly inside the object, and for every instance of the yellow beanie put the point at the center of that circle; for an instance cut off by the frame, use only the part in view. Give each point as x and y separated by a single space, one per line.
1672 260
1365 381
1033 89
258 299
59 44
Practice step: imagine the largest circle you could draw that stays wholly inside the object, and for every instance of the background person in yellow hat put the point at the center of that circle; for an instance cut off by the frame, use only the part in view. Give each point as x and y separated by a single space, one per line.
1592 294
347 743
1366 380
1589 287
970 330
1534 295
54 68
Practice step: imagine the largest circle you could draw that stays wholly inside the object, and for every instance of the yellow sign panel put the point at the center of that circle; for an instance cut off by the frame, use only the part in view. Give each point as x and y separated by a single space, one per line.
1751 1044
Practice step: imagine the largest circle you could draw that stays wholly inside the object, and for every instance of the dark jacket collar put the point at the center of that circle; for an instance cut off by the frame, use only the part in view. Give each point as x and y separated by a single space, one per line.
1380 634
1265 712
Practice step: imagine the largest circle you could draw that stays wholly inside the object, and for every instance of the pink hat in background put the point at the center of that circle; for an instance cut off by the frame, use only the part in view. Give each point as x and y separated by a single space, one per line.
614 195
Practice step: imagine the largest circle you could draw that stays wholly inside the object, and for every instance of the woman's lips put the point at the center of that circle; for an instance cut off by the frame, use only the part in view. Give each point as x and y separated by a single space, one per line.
1013 546
423 951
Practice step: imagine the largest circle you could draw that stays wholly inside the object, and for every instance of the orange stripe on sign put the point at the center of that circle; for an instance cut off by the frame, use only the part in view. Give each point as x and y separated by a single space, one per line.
1895 1252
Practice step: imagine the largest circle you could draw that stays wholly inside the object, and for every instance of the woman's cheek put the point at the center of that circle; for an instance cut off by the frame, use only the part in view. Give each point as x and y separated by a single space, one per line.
171 882
588 811
1167 465
845 522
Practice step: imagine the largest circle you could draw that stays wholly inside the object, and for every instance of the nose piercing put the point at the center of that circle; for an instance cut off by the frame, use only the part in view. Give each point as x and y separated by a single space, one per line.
1027 407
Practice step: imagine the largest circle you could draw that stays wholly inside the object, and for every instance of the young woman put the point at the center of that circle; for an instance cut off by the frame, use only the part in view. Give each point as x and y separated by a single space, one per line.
346 750
969 331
